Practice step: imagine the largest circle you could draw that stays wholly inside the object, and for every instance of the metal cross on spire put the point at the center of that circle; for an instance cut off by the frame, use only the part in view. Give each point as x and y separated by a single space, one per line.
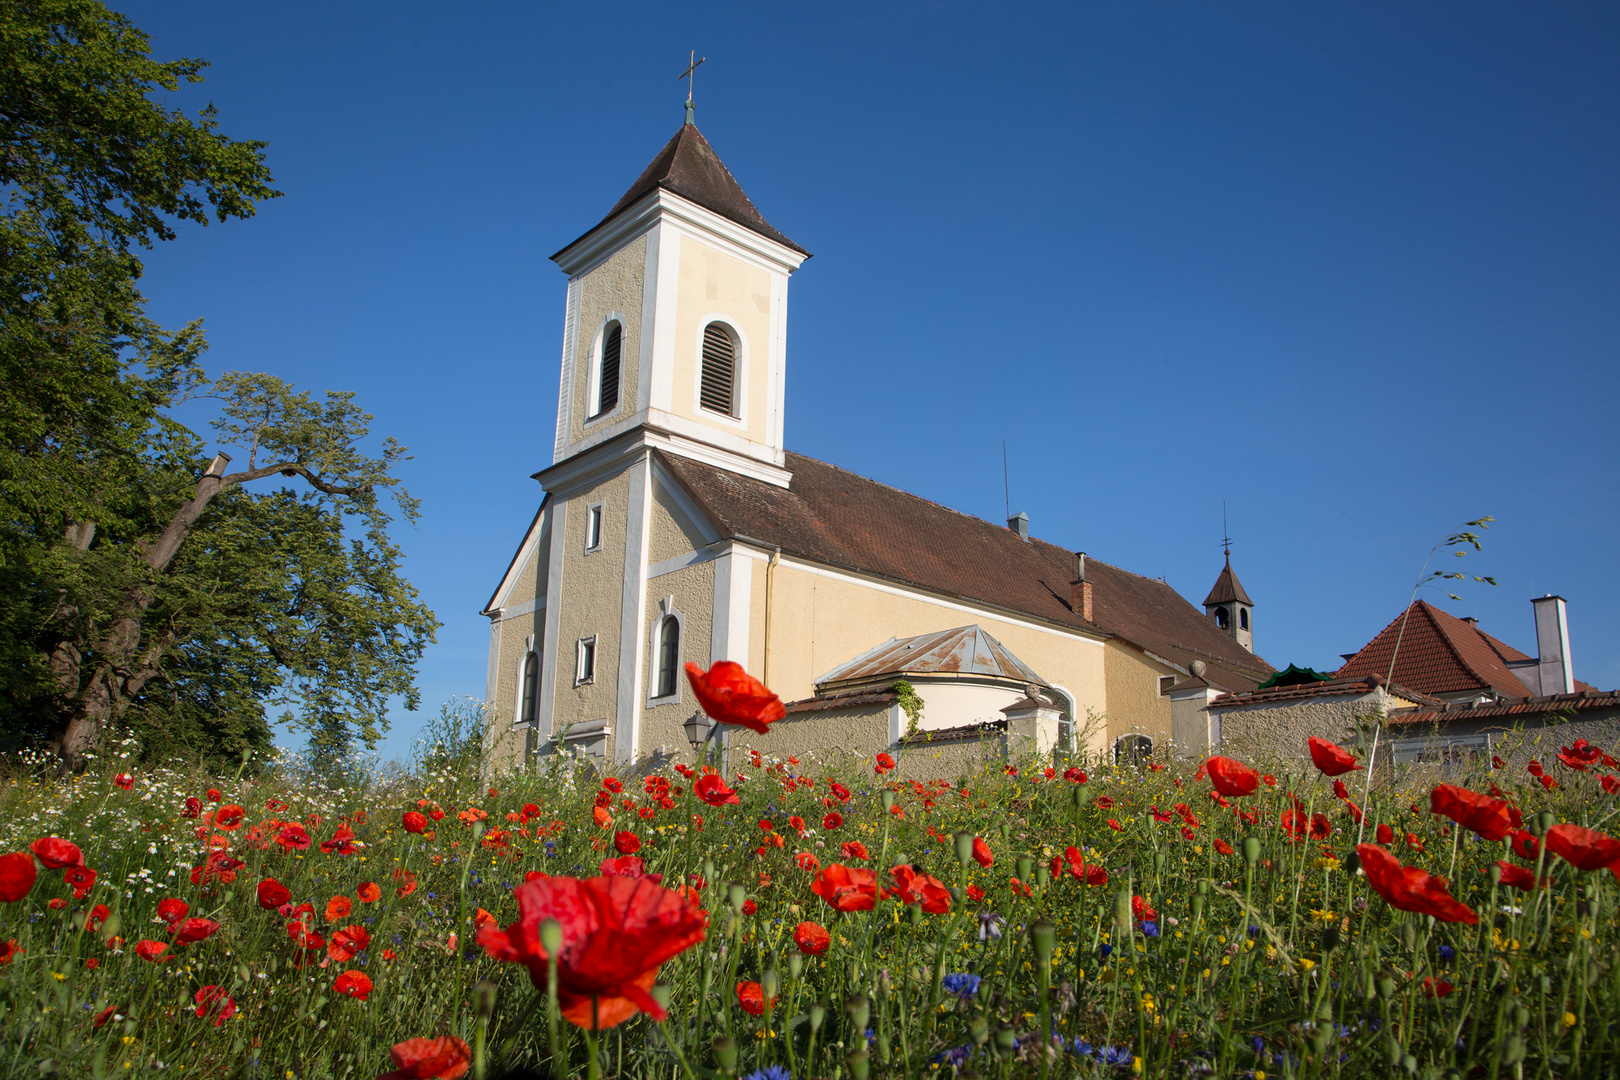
1226 539
691 66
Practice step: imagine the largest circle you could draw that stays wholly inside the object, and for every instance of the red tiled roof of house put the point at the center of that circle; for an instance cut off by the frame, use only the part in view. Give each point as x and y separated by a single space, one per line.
1550 705
689 167
1330 688
835 517
1439 654
839 701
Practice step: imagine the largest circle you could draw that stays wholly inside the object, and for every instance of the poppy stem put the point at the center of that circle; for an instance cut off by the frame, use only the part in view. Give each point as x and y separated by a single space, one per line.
559 1067
591 1068
680 1057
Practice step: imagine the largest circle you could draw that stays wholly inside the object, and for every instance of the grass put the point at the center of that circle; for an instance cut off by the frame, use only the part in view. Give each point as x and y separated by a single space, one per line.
1272 960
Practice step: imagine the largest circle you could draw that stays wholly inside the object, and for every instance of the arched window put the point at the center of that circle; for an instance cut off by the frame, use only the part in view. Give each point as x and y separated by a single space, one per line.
1132 749
669 656
718 390
1223 618
530 699
607 393
1243 618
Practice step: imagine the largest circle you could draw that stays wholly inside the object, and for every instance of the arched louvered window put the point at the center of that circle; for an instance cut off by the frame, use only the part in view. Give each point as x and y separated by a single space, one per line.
1223 618
718 391
607 394
669 656
531 689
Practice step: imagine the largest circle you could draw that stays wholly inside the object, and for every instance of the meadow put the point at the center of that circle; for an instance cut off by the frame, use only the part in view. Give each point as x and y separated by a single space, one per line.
812 919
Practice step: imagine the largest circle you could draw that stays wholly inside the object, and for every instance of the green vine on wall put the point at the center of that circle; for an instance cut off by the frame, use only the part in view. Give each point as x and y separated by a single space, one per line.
910 702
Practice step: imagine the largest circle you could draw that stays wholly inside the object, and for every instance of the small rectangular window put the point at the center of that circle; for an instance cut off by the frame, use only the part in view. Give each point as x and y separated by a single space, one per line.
585 668
1165 683
593 528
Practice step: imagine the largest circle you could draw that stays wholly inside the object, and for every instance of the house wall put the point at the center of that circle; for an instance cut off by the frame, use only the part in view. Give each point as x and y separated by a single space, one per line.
950 758
713 284
820 620
827 739
1517 739
615 287
1134 703
1280 731
511 636
952 703
692 589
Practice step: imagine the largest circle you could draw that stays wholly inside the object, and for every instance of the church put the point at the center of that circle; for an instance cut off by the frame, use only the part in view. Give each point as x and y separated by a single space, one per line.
676 526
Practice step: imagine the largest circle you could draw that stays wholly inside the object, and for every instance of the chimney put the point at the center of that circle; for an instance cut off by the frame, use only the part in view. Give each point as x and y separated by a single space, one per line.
1019 523
1472 620
1080 589
1552 646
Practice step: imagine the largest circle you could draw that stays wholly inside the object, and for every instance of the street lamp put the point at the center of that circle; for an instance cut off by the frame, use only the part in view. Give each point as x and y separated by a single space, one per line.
697 728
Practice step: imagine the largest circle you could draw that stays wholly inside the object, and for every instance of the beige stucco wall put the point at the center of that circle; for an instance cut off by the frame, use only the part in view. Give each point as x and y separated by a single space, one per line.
591 601
713 283
949 759
506 748
614 286
819 622
1279 732
948 704
1134 701
829 739
670 531
693 590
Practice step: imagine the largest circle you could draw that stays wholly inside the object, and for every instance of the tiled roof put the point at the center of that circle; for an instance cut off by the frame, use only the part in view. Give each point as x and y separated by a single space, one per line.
1300 691
834 517
955 734
964 650
1439 654
688 166
838 701
1227 588
1532 706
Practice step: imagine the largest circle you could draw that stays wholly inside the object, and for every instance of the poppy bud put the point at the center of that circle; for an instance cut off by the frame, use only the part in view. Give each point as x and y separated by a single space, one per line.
1043 875
1122 911
1513 1050
725 1054
1521 1016
795 965
1158 862
882 1048
916 914
1251 849
1351 863
1001 829
660 994
978 1030
1410 1064
551 937
1025 866
1197 910
708 869
1386 984
1330 939
859 1009
964 847
1409 935
1006 1041
483 999
1043 935
859 1064
770 984
887 799
1319 1038
1542 822
818 1014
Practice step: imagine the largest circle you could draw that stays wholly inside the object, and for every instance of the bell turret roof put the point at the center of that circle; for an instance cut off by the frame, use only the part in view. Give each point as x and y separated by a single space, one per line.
1227 588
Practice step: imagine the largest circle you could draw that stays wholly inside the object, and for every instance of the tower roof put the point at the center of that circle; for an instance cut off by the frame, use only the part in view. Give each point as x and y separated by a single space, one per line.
1227 588
689 167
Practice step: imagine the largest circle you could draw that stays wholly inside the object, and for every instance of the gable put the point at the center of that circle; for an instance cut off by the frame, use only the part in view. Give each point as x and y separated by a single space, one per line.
1438 654
525 577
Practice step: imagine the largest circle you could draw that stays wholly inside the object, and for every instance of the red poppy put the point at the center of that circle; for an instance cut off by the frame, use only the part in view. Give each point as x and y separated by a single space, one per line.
147 949
1075 862
213 1000
833 820
1525 845
229 816
17 874
54 853
751 996
847 888
413 821
1582 848
1339 790
171 909
1517 876
214 795
628 866
615 933
913 887
355 984
853 849
191 931
338 908
1223 847
1409 888
1491 819
293 836
1611 785
97 916
981 852
124 780
9 951
272 893
342 842
193 807
1331 758
81 879
104 1016
444 1058
613 784
1435 988
350 941
712 789
1232 778
807 862
368 892
407 882
811 938
729 695
884 764
1074 775
1385 834
626 843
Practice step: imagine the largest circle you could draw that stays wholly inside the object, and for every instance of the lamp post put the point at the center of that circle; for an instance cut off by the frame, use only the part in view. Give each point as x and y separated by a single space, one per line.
698 728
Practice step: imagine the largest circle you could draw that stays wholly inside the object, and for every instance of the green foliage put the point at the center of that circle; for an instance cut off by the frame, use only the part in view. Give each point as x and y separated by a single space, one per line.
910 702
130 589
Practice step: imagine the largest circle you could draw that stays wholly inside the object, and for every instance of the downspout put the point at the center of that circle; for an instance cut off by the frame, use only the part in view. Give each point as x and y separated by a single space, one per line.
770 580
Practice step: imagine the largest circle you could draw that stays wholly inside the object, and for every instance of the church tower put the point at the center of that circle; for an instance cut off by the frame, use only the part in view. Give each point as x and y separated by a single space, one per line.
1231 607
676 319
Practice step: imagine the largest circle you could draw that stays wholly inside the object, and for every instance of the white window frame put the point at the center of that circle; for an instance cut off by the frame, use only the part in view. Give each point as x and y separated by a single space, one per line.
739 384
593 369
666 611
540 672
595 521
585 646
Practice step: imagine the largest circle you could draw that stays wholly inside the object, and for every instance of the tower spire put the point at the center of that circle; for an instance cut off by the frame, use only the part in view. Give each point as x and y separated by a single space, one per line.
691 66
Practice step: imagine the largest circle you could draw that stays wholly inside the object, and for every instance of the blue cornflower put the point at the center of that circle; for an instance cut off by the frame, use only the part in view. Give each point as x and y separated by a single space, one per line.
1105 949
1114 1055
1254 931
1258 1043
770 1072
1150 928
954 1056
1082 1047
1447 952
962 984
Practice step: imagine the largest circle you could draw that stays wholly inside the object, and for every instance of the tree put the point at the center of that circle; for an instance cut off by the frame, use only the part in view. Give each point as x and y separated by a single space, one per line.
141 581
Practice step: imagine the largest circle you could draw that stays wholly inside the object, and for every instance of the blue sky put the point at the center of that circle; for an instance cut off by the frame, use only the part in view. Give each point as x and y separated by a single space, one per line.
1354 269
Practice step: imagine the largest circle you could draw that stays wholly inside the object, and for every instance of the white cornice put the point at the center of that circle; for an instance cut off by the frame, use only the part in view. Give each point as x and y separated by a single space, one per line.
660 204
589 466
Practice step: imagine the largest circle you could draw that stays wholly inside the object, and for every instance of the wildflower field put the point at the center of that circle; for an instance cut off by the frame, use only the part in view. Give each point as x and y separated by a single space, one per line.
783 919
